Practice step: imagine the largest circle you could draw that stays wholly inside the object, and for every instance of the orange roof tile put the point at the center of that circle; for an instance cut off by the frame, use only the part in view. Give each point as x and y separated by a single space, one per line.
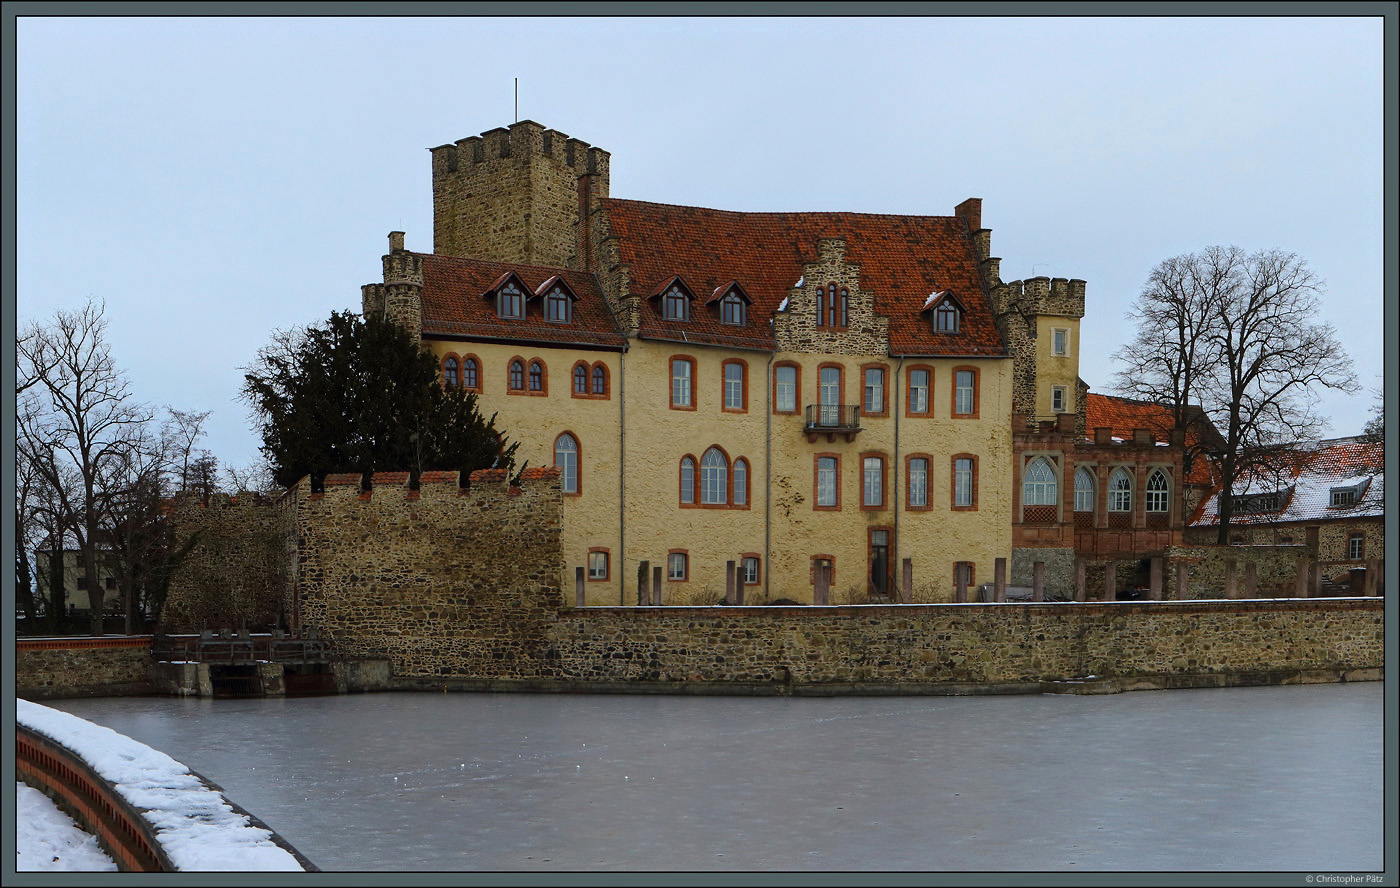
1125 414
455 304
902 260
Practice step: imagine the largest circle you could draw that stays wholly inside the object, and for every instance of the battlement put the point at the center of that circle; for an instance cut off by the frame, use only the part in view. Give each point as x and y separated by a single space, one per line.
520 141
1043 296
338 483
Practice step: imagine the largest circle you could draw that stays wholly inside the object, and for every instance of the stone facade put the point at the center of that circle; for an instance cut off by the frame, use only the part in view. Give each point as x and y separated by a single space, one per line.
797 329
442 578
82 667
516 193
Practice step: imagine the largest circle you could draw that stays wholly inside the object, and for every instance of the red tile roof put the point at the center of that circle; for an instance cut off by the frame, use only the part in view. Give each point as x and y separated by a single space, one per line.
455 304
1125 414
902 260
1305 486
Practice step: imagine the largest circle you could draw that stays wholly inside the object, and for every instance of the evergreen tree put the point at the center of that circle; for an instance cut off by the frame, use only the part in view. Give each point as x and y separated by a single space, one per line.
359 395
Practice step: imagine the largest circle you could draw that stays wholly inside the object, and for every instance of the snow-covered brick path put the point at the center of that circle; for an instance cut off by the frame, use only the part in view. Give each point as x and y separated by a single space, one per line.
195 825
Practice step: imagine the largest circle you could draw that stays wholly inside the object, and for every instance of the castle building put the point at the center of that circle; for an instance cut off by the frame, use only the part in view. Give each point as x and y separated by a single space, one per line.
792 392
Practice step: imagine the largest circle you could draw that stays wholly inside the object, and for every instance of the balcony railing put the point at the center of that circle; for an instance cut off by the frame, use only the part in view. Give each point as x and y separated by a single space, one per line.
833 420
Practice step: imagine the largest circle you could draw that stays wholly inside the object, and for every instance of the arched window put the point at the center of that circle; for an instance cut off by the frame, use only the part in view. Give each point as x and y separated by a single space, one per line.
449 373
600 379
945 317
1038 487
566 460
556 306
714 477
536 376
1083 490
580 379
741 483
510 302
469 374
1120 491
687 481
677 307
1156 495
517 376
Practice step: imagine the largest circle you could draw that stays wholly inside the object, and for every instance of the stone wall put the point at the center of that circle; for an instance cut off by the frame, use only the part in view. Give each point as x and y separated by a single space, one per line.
237 571
442 580
1276 567
82 667
967 643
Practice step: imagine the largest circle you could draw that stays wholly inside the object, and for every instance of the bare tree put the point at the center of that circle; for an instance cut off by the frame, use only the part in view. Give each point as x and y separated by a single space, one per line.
87 422
1238 332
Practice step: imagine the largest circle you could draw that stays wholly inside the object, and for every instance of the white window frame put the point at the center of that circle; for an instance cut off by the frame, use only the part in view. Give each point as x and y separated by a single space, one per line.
918 482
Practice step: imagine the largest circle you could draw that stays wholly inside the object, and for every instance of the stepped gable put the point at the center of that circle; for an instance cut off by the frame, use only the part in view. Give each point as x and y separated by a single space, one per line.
1125 414
455 303
902 259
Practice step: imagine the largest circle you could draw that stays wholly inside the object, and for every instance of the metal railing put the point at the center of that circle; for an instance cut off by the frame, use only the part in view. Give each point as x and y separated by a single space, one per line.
833 417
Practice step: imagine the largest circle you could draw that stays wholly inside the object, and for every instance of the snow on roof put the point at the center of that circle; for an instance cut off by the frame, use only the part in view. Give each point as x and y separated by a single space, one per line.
934 297
782 306
196 826
1321 468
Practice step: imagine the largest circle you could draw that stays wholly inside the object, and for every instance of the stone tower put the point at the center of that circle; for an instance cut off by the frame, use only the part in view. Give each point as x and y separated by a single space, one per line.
1039 319
523 194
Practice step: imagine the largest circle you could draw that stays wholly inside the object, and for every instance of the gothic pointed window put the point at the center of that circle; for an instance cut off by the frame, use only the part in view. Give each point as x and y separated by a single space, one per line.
714 477
469 375
580 379
1083 490
516 379
449 373
600 379
687 481
1120 492
1155 498
537 377
1038 487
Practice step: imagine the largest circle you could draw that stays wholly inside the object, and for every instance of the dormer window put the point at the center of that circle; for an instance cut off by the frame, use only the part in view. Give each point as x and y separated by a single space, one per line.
557 306
510 302
731 310
675 305
1342 497
946 318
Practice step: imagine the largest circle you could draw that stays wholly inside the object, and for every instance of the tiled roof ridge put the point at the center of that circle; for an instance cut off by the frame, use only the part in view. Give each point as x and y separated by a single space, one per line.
781 213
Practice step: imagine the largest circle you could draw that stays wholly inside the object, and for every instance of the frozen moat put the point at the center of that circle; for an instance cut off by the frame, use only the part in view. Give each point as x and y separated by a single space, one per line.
1244 779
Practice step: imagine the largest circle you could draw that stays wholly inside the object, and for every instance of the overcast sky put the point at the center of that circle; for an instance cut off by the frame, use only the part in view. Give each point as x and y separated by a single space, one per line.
214 179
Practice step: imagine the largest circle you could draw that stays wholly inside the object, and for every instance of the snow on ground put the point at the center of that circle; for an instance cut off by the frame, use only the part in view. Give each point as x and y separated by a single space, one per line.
47 840
197 828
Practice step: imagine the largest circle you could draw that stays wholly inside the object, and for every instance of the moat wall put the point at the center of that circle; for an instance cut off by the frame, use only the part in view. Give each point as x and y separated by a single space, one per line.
459 586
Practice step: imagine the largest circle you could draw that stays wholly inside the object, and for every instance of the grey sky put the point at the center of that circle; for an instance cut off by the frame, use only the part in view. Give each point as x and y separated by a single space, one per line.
213 179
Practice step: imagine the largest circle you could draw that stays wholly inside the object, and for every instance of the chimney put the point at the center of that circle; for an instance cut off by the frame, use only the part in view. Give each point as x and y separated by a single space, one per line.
396 242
